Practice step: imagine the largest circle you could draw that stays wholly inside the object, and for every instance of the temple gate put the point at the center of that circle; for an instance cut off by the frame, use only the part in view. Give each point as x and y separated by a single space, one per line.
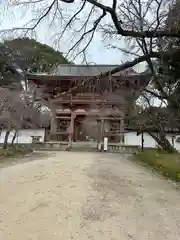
100 101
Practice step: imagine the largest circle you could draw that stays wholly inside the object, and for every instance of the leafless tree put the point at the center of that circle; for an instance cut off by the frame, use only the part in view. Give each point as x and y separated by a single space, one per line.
129 19
16 114
156 121
92 16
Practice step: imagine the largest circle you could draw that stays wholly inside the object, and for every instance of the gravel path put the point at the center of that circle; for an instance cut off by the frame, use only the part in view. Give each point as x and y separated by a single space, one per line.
86 196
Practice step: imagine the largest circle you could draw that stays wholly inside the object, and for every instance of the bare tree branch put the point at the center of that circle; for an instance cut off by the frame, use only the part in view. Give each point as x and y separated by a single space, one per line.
121 31
92 31
126 65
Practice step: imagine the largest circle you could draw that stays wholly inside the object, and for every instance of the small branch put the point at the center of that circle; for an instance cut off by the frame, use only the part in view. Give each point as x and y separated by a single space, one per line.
92 30
67 1
114 4
130 33
72 18
154 94
165 54
44 15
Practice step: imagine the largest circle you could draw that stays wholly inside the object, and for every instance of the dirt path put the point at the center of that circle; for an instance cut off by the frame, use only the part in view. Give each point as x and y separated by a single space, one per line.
86 196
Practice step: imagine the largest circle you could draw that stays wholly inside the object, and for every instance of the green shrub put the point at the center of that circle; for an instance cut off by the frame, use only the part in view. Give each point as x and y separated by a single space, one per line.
11 152
164 163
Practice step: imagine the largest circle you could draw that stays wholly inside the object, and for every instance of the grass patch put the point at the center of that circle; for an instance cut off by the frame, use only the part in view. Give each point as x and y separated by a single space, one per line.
13 152
165 163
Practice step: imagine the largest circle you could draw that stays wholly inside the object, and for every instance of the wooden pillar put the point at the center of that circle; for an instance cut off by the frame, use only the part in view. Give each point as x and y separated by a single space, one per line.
102 130
71 130
98 131
53 125
100 136
121 130
53 119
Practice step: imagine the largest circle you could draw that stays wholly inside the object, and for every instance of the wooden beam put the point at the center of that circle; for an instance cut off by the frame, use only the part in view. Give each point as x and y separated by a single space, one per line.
63 117
60 133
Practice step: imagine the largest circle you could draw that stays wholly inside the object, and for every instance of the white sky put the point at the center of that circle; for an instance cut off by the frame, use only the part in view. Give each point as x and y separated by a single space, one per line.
98 53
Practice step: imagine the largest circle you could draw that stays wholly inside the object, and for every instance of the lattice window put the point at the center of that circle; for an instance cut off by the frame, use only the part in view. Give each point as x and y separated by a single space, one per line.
63 125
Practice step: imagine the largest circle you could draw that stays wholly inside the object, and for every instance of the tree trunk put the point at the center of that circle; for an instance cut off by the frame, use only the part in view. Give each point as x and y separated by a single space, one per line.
5 144
14 137
163 142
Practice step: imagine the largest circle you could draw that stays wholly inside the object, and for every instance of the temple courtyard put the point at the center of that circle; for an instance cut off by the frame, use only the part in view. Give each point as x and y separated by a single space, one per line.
86 196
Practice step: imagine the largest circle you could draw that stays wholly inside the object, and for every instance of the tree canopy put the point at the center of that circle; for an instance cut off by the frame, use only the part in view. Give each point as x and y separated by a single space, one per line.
35 55
24 54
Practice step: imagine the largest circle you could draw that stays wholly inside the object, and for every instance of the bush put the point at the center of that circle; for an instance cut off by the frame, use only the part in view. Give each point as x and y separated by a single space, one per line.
165 163
13 152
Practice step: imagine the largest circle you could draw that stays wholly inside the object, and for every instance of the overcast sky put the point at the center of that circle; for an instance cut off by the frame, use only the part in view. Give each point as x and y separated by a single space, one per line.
98 52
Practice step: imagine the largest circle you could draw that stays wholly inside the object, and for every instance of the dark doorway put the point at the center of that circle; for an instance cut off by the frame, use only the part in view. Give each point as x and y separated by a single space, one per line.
79 133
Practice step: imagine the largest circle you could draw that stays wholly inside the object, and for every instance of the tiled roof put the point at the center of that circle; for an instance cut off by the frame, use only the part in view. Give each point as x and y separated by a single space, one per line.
87 70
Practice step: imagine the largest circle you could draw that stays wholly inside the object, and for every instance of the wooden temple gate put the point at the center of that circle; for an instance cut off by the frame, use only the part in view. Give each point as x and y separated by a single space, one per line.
71 110
67 124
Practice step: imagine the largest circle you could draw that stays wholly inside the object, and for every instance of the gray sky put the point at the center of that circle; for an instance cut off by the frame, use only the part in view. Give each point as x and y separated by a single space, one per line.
97 53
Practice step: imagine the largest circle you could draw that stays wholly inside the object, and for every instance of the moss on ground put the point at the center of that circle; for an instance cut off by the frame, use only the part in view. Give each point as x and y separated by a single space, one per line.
165 163
13 152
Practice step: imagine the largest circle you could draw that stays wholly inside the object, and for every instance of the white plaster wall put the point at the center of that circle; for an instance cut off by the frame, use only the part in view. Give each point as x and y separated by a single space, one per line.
176 144
130 138
24 135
